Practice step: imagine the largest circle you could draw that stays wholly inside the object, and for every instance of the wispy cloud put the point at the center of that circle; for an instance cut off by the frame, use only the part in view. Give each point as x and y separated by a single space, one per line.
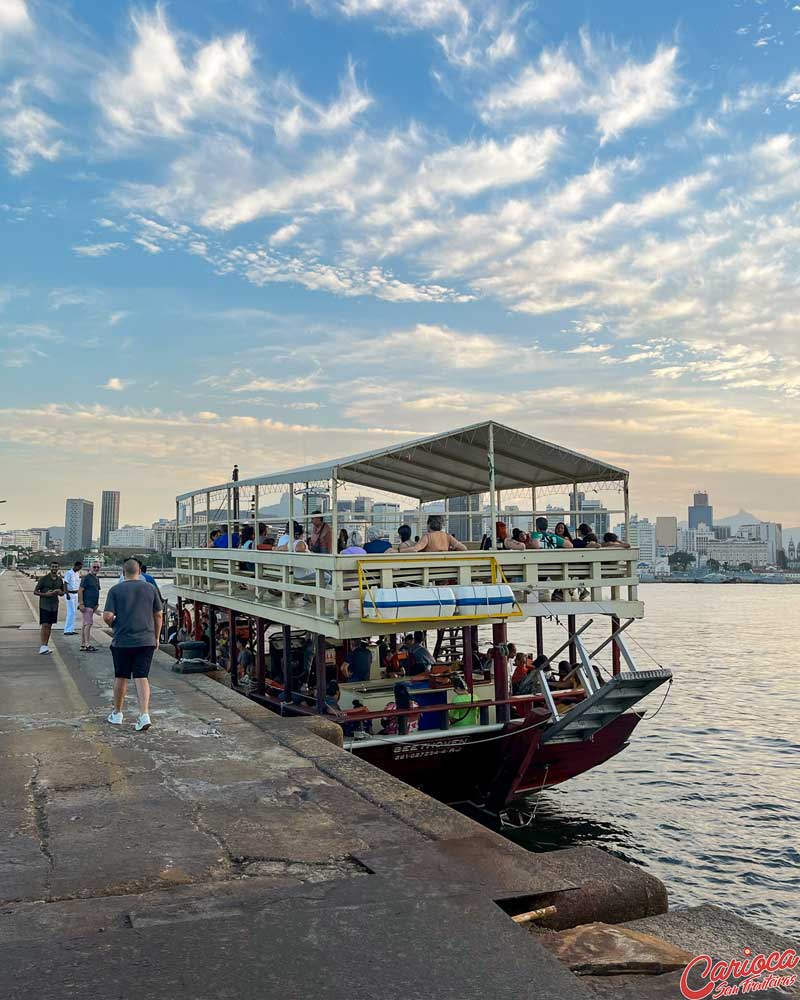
115 384
618 94
97 249
303 116
26 131
164 90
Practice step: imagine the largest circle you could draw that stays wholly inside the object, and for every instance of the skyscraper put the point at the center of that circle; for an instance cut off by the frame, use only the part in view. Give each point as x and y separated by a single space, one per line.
78 522
701 512
667 533
465 528
109 514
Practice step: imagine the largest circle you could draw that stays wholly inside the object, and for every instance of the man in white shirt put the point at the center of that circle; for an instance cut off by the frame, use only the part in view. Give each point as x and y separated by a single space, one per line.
72 584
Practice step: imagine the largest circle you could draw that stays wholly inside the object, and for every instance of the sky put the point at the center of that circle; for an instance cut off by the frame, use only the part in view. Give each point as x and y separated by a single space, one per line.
270 232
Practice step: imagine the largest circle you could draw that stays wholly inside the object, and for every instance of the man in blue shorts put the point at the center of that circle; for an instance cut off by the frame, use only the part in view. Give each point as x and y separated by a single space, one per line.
133 610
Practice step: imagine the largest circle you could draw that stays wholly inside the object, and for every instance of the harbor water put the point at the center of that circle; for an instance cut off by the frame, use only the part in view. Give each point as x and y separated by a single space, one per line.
707 795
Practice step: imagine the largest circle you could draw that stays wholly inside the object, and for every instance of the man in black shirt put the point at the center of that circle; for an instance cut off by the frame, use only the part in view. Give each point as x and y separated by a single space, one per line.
48 590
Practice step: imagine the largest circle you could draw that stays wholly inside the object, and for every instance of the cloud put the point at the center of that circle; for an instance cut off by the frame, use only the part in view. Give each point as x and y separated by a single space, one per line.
97 249
115 384
618 95
163 91
305 116
14 18
117 317
285 234
26 131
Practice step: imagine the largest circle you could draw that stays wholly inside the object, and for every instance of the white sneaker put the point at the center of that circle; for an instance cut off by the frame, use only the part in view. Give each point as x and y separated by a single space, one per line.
45 649
115 718
142 723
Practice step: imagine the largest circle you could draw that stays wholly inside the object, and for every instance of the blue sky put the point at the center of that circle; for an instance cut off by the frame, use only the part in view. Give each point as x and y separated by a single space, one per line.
268 232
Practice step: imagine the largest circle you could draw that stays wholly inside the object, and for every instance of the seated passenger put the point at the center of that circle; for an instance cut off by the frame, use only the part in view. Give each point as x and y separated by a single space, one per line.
341 539
463 696
548 539
321 538
404 531
402 700
516 541
501 534
376 543
522 667
332 693
586 538
562 531
212 539
358 662
436 539
299 543
244 659
248 536
567 678
612 541
420 660
355 548
539 669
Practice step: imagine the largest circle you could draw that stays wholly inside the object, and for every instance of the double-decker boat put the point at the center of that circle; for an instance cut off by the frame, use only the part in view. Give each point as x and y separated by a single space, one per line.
305 610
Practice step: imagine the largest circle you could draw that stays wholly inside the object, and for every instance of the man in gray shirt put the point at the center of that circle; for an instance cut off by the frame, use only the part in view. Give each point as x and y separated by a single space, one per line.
133 610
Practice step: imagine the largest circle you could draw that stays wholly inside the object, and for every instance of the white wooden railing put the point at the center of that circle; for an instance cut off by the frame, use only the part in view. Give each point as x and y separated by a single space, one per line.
295 587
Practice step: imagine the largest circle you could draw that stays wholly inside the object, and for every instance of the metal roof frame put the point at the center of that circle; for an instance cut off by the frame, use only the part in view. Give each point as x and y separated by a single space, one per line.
449 464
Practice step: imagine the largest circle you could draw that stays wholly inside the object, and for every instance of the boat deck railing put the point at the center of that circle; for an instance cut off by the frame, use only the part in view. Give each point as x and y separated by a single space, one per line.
323 593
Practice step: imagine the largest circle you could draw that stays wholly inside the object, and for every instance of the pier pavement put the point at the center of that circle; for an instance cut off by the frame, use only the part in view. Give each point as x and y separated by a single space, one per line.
219 854
228 853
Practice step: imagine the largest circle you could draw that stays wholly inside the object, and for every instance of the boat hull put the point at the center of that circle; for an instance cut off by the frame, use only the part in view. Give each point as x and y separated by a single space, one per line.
459 767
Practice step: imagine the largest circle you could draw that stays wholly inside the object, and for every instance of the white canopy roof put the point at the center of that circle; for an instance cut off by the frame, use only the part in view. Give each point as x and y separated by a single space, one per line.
455 463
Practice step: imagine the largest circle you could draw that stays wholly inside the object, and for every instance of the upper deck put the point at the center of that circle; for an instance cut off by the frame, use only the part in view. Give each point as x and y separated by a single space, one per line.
325 593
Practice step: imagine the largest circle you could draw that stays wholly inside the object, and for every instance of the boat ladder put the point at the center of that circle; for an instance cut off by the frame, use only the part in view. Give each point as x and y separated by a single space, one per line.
603 702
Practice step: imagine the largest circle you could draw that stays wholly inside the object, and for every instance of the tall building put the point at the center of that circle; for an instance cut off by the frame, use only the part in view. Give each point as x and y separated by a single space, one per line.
701 512
667 533
641 534
591 512
764 531
109 514
464 517
131 536
78 523
386 518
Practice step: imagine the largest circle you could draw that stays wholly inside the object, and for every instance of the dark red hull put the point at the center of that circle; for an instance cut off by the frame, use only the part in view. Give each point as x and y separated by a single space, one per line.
456 767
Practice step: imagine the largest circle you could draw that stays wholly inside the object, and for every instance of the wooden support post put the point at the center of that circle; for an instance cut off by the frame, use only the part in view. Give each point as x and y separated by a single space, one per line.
322 680
539 637
615 658
287 663
212 634
261 662
466 636
232 665
499 638
573 649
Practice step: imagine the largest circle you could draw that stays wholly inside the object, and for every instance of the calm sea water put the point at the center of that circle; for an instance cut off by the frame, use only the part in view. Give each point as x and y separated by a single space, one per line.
707 795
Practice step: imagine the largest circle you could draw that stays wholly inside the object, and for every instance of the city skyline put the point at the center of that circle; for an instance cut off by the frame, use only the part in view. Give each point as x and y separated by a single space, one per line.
279 233
681 513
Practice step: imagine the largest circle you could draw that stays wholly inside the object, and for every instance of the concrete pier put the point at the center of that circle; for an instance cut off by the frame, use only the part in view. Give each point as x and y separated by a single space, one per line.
229 853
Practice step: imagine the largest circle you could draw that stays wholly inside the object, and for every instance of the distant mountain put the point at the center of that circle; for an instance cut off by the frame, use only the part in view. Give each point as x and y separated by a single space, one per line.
735 521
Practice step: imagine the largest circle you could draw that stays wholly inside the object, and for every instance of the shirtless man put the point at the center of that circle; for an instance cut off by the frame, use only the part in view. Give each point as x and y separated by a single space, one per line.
436 539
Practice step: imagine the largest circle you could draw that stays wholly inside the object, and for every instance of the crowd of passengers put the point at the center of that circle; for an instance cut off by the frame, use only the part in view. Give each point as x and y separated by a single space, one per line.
319 539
